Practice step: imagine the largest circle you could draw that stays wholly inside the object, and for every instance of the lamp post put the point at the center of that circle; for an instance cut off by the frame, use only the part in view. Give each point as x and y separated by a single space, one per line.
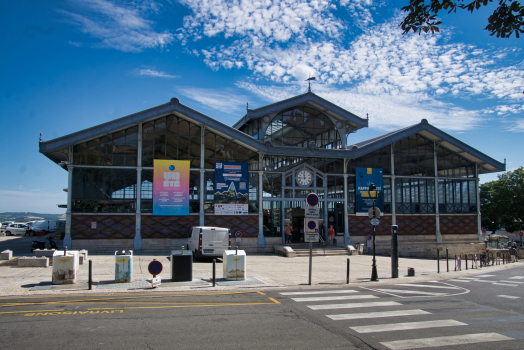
373 194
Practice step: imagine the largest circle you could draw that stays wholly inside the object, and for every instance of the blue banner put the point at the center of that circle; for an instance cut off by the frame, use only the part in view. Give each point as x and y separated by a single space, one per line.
365 177
231 188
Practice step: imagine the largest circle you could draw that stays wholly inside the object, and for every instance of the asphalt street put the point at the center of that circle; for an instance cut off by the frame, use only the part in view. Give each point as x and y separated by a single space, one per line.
479 312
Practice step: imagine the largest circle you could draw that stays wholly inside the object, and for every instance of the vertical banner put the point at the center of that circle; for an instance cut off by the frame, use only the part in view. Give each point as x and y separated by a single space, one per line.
365 177
170 187
231 188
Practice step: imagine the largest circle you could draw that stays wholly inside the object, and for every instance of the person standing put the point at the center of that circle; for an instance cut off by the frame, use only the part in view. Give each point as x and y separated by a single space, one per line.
323 232
331 234
288 231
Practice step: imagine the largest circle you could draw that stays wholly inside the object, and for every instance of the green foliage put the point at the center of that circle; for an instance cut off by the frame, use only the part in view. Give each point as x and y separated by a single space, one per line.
507 19
502 202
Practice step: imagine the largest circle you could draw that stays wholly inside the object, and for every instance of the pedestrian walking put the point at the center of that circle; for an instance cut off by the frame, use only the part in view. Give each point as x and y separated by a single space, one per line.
288 231
512 252
331 234
323 232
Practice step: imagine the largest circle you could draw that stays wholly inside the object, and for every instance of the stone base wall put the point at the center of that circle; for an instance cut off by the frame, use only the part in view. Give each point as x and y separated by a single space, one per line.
425 246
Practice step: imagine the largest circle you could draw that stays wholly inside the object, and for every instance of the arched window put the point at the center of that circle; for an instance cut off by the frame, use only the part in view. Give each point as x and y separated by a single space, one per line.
303 127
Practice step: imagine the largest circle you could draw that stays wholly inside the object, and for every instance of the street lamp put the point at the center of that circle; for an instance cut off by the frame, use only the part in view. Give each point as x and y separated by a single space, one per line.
373 194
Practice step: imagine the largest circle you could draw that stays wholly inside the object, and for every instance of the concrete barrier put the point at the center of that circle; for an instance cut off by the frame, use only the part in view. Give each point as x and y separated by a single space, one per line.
43 252
6 255
33 261
351 250
82 256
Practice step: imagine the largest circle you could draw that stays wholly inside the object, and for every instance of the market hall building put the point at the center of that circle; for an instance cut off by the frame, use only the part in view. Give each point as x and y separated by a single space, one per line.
291 148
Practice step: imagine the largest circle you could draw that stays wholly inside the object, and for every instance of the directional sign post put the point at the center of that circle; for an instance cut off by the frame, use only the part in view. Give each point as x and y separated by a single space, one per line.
238 236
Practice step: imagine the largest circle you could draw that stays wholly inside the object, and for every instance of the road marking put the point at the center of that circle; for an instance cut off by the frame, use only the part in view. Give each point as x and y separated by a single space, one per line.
56 313
406 326
21 312
402 291
457 280
445 341
506 284
320 292
486 275
378 314
512 282
353 305
516 278
508 296
338 297
427 286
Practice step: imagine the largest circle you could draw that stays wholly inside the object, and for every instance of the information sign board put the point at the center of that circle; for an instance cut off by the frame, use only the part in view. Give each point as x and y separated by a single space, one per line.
313 212
374 221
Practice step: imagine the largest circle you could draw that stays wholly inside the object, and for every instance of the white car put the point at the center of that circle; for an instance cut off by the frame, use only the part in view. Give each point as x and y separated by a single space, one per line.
15 229
5 224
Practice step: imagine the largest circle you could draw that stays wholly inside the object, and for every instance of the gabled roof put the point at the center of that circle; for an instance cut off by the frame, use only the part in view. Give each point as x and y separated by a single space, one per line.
486 163
310 99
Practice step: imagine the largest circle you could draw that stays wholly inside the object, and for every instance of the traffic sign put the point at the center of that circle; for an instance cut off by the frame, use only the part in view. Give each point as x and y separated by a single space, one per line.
377 212
370 237
238 234
521 234
313 212
155 267
312 199
484 231
374 221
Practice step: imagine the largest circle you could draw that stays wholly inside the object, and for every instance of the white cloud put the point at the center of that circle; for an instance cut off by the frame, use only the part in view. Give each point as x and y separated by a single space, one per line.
154 73
224 100
386 112
122 28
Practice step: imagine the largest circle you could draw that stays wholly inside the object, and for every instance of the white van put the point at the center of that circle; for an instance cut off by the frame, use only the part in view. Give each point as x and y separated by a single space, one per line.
42 225
209 242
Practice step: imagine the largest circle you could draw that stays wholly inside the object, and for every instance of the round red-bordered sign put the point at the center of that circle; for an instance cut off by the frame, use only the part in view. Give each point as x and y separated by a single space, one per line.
312 199
311 225
155 267
238 234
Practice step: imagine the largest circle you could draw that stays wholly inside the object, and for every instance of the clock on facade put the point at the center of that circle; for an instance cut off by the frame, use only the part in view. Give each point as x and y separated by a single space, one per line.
304 177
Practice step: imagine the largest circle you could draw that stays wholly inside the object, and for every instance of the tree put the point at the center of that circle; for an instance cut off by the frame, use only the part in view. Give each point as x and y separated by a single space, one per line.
502 202
508 17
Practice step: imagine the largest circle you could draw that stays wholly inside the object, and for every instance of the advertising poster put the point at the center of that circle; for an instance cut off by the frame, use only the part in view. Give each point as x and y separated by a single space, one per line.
231 188
170 187
365 177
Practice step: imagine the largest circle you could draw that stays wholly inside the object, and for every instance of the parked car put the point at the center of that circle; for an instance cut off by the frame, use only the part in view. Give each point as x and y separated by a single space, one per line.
17 228
5 224
207 241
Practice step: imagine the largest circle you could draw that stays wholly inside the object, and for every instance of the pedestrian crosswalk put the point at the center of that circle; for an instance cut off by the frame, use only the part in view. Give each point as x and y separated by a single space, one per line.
509 282
391 320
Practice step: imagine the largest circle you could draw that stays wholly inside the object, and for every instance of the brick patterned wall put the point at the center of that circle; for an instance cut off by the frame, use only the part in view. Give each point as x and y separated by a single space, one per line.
167 226
359 225
458 224
417 224
107 226
247 224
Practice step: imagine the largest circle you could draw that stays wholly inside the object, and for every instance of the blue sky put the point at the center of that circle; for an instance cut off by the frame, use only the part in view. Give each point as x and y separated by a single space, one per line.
68 65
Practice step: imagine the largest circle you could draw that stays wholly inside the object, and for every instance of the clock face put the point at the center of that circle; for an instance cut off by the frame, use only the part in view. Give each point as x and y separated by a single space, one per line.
304 177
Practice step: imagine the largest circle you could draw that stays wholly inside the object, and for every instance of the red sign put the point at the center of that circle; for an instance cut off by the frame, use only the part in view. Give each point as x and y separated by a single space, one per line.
312 200
238 234
155 267
521 234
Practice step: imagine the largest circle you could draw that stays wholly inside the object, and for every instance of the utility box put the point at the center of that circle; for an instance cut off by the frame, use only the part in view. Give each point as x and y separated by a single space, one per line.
65 267
234 265
123 266
181 265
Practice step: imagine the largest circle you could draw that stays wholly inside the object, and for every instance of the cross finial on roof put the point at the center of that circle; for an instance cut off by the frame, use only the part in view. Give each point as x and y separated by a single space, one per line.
247 107
367 116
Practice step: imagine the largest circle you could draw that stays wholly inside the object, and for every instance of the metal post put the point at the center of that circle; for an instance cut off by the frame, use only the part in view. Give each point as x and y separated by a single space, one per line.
447 258
90 278
347 273
455 262
374 274
310 260
214 271
394 251
438 259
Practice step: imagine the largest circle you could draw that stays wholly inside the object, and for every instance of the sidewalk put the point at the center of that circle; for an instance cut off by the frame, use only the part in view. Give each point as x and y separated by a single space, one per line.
264 271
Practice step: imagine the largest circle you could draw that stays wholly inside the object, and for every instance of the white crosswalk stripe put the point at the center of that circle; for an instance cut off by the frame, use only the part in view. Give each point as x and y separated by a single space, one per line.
427 286
516 278
337 297
353 305
378 314
508 296
324 292
445 341
517 282
402 291
506 284
407 326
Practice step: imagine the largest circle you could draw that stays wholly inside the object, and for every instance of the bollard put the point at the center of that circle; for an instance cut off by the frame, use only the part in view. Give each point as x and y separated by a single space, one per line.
65 251
438 260
214 271
503 256
347 273
455 263
90 280
447 258
466 262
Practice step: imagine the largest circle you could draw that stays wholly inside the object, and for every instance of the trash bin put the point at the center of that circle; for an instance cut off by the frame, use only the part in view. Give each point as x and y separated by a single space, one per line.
65 267
411 271
234 265
123 266
181 265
